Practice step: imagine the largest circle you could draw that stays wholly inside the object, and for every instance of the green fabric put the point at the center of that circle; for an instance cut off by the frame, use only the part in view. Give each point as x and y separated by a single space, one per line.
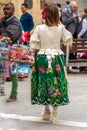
49 85
14 78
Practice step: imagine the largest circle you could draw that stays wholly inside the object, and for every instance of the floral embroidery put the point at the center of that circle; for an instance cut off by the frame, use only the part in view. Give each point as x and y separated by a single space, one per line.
57 93
49 100
49 70
33 69
42 69
51 89
56 100
55 80
65 79
48 87
58 68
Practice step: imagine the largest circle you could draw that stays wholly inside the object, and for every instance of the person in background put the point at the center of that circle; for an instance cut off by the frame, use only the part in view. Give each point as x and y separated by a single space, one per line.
49 86
9 24
10 27
26 19
43 12
60 11
67 7
82 33
27 24
70 18
82 29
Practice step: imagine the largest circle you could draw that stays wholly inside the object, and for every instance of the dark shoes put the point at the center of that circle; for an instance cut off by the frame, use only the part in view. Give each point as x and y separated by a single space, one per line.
2 92
11 99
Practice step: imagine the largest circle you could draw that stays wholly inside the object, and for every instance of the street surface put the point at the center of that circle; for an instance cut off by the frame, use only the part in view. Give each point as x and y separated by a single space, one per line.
21 115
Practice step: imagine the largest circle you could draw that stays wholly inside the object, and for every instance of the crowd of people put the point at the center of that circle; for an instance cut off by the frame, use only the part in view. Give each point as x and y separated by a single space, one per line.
74 22
49 85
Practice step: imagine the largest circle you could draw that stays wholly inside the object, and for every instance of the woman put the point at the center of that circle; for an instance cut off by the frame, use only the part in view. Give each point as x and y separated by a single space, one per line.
48 82
82 33
82 30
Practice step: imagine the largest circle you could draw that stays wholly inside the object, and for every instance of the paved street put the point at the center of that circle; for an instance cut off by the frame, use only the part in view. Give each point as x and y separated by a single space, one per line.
21 115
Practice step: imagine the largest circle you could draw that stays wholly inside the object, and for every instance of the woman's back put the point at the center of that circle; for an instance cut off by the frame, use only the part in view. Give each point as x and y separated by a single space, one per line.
50 37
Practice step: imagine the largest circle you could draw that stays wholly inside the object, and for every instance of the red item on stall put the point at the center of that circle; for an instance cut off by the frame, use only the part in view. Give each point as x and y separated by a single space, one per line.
25 37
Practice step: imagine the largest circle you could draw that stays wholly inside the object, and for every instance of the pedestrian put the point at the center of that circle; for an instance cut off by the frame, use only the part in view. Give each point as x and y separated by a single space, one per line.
9 24
27 22
43 12
48 83
60 10
82 34
67 7
10 27
82 29
70 18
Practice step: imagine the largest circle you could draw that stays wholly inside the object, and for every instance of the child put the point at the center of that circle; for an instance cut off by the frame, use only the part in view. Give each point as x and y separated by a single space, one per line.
48 82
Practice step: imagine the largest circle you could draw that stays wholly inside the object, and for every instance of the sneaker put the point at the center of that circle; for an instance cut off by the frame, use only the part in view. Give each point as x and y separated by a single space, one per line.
12 99
2 92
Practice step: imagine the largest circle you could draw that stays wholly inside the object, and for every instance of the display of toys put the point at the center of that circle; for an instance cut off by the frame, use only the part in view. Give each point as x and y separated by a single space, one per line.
21 54
5 40
21 57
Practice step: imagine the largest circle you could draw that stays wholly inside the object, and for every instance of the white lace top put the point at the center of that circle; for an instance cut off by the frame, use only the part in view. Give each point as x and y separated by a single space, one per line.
45 37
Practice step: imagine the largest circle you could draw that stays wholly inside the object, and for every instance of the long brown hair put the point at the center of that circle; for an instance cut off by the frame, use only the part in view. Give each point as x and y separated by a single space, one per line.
85 11
51 15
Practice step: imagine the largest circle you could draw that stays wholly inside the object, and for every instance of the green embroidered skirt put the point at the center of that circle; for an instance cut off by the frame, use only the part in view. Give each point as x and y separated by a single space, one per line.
48 83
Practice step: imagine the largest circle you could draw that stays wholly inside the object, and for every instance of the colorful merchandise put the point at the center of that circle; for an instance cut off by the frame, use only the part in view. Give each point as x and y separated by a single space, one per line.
5 39
2 76
19 57
25 37
23 70
20 54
